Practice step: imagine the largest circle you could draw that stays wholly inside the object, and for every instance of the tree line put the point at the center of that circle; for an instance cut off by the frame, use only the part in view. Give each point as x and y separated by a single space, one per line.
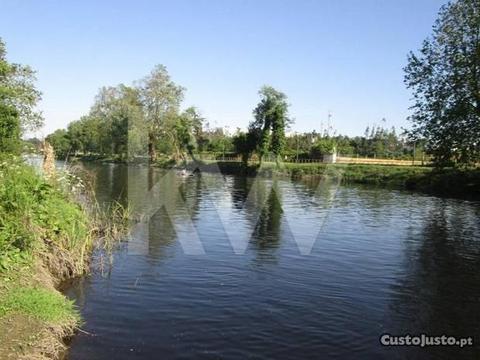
148 118
145 119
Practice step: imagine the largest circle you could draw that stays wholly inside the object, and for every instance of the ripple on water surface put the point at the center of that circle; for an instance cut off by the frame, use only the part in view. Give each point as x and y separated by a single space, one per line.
383 261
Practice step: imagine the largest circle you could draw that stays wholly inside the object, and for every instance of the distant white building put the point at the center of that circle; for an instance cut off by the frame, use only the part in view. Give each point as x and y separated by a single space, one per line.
330 158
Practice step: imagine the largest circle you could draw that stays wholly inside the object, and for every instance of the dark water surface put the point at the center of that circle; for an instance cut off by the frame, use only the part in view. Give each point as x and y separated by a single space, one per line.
383 262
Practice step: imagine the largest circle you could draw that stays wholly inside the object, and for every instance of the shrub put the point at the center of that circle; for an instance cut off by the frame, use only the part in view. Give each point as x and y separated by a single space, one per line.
9 129
36 214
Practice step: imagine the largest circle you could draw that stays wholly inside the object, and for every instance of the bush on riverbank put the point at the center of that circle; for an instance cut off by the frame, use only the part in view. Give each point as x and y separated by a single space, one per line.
45 237
454 182
37 218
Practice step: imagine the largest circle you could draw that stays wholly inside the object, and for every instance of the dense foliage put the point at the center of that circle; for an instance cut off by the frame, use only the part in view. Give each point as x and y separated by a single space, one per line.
9 129
445 79
18 100
271 119
121 124
146 119
138 121
377 141
35 214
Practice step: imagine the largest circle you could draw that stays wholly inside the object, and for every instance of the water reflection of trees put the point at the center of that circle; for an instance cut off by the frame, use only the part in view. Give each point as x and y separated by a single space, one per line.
267 231
260 200
108 181
239 190
161 234
440 290
180 201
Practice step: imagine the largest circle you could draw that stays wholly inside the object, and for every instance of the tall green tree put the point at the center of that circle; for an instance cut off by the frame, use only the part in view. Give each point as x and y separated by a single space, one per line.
244 144
271 119
161 99
186 132
196 121
123 119
18 92
117 113
18 98
60 141
445 80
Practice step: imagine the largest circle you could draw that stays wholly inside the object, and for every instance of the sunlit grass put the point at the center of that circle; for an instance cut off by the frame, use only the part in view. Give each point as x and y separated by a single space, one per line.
36 214
41 304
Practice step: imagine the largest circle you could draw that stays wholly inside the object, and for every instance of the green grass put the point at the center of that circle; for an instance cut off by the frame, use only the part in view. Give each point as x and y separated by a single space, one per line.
45 237
36 215
41 227
39 303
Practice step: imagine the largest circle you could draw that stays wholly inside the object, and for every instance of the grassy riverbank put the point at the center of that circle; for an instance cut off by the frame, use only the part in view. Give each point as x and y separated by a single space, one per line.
45 238
450 182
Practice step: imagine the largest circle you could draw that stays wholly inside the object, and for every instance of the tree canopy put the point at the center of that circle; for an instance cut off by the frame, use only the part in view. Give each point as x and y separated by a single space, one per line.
128 121
17 91
271 119
161 99
18 98
445 80
121 125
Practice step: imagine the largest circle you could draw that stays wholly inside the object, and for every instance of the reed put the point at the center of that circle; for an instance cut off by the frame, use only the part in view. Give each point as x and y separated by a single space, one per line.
48 229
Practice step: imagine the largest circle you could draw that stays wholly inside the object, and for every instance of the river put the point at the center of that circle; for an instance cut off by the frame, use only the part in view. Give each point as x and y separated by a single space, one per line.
244 268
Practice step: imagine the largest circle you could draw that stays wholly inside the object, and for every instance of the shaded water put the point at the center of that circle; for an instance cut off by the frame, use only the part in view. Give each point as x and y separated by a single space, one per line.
383 262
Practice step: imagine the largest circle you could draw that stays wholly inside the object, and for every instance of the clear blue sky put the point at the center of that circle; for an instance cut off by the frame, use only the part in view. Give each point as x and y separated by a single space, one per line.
343 56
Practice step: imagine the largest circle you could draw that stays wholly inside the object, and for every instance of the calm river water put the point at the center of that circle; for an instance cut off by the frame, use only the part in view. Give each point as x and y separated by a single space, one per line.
225 271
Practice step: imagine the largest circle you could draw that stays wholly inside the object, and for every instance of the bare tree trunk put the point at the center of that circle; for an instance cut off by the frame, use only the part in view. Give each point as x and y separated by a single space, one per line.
152 152
192 155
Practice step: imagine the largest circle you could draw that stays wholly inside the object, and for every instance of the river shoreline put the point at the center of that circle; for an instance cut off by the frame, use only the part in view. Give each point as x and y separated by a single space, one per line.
463 183
371 241
46 238
30 336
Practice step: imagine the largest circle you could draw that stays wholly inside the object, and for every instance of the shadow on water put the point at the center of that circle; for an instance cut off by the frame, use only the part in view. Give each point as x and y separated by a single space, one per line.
438 293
